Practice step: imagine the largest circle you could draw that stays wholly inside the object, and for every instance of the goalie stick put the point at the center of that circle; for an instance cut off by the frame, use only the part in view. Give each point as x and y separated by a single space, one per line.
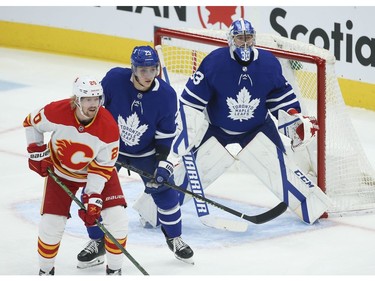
193 175
256 219
99 224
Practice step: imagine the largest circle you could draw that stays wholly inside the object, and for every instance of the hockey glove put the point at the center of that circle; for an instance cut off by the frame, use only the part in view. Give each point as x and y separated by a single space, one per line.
93 204
39 159
162 174
305 129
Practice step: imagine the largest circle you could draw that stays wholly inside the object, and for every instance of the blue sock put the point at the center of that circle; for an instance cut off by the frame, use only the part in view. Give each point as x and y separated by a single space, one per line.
95 232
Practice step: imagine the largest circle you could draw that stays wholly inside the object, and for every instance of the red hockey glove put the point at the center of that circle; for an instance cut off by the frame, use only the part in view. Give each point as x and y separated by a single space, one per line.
93 204
306 129
39 159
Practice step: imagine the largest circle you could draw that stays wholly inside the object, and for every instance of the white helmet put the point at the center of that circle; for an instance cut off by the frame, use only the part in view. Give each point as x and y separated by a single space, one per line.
87 86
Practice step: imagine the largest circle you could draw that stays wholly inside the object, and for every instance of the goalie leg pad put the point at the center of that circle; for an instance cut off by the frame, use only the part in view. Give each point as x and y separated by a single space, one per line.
212 161
281 175
148 211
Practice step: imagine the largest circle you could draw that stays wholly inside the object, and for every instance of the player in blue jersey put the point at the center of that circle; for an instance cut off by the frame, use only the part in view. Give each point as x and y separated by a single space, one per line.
238 88
145 108
231 97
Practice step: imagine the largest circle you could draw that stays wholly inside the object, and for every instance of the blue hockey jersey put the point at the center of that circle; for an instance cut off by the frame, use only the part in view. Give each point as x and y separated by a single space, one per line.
238 98
146 120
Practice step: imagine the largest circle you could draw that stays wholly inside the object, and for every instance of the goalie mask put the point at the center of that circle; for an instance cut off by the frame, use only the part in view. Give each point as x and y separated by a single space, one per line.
145 62
87 87
241 39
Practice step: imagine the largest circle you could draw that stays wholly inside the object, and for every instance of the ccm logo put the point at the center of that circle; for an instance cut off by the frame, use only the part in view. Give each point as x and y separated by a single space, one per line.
308 182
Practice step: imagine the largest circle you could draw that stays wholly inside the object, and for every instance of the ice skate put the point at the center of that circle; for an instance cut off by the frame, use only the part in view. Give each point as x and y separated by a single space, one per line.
92 254
109 271
51 272
181 250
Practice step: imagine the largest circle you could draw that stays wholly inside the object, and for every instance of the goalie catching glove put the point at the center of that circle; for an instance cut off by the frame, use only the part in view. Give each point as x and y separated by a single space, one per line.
39 159
162 174
93 204
299 128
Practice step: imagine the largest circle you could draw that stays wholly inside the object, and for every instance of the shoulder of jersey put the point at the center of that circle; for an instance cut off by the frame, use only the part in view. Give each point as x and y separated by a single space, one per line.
165 88
106 119
104 127
220 52
217 56
266 54
59 111
118 71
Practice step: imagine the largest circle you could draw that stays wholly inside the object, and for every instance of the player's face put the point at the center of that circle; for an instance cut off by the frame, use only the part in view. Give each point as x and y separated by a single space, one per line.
243 40
146 74
90 106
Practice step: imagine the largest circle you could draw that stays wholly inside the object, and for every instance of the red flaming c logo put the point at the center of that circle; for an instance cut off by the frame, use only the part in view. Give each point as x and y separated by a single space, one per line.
219 17
74 155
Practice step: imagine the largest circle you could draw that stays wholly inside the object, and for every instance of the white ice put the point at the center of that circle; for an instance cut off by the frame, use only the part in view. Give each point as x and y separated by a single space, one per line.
283 247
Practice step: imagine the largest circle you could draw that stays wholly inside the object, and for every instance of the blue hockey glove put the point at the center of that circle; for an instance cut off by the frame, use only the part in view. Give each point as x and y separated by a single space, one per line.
162 174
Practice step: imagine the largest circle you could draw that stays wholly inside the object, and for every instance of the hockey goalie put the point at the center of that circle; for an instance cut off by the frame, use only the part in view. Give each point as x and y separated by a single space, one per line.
235 96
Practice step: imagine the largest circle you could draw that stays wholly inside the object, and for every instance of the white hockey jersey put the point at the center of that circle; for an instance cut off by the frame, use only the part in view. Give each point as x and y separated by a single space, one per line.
80 153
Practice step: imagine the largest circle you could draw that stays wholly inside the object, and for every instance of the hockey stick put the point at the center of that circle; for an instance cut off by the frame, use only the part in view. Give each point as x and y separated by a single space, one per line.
201 210
256 219
99 224
190 165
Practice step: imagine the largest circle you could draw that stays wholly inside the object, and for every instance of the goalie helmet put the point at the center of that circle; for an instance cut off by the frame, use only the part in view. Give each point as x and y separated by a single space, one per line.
143 56
241 38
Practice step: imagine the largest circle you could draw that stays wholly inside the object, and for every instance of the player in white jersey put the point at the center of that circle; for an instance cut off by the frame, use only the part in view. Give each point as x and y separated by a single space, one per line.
82 152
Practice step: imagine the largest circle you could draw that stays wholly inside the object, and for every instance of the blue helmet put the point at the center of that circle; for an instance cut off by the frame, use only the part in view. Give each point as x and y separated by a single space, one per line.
241 37
144 56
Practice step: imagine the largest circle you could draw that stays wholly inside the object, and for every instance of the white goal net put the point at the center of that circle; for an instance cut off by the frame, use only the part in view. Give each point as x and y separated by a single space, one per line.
343 169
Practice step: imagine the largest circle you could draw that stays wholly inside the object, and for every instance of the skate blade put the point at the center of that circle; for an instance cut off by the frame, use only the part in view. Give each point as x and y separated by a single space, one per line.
94 262
189 260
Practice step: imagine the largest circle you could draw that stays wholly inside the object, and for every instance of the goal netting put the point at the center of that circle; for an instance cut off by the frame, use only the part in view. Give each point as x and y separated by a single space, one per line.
343 170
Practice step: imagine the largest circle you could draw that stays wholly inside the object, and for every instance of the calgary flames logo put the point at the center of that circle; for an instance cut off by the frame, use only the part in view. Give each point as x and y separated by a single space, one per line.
219 17
74 155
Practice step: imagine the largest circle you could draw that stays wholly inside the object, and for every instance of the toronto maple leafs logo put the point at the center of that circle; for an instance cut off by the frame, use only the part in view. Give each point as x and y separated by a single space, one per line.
130 130
242 108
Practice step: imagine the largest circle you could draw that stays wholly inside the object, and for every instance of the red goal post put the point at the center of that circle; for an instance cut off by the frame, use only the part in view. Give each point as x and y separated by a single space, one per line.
310 70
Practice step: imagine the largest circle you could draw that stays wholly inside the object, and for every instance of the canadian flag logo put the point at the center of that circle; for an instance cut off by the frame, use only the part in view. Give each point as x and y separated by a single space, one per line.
219 17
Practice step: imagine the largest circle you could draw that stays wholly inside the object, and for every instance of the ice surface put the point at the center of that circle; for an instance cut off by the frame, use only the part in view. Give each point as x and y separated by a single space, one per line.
283 248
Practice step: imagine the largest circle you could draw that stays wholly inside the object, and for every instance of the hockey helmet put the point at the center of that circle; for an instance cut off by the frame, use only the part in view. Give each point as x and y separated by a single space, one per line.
87 86
143 56
241 38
